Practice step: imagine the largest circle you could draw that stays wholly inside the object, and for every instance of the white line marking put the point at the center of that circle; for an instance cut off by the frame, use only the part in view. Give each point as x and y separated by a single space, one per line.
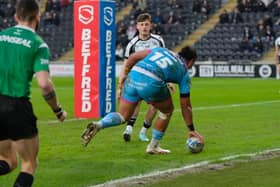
177 110
236 105
184 168
57 122
199 164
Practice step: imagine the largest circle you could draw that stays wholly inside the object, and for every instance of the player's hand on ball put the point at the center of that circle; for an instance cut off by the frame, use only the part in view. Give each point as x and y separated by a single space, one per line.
197 135
195 142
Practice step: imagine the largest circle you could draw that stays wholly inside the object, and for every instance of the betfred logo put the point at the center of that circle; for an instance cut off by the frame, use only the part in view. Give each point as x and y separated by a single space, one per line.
86 66
108 16
94 36
86 14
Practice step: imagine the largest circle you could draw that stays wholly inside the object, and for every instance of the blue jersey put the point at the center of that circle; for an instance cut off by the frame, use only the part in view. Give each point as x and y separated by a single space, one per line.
168 67
148 77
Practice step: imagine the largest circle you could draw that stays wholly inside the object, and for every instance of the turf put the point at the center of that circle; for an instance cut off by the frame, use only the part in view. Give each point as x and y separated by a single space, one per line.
234 115
260 173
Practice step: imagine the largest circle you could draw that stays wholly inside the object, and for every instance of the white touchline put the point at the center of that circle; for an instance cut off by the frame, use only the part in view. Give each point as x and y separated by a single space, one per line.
177 110
184 168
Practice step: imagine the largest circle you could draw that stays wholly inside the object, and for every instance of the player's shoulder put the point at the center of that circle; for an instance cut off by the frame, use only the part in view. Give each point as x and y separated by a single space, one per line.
159 39
132 43
7 31
26 33
156 36
38 38
277 39
39 42
133 40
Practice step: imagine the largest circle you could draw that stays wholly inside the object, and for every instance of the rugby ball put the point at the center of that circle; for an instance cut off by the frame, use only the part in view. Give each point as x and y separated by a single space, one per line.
194 145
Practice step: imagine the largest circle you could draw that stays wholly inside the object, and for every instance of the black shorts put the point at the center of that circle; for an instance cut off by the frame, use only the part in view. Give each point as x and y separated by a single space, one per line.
17 119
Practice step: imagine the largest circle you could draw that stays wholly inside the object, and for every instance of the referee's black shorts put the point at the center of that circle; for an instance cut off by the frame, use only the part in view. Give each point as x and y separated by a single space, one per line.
17 119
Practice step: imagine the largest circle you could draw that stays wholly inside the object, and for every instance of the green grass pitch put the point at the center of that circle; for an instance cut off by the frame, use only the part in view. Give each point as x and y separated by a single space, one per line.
235 116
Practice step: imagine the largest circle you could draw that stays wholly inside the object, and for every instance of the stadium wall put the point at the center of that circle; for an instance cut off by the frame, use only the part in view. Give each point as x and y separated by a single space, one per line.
201 69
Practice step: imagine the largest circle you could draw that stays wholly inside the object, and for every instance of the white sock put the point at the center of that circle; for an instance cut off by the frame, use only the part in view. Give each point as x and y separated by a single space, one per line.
143 130
129 128
154 143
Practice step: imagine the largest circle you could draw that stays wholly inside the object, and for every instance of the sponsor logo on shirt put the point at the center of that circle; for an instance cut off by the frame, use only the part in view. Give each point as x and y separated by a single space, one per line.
44 61
15 40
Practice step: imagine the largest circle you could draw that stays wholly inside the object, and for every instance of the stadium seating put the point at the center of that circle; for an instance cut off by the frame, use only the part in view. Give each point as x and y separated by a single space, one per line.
223 43
121 4
187 19
59 37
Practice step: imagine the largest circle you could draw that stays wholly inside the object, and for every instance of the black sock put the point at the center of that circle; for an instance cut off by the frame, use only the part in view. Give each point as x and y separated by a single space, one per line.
24 180
4 167
131 121
146 125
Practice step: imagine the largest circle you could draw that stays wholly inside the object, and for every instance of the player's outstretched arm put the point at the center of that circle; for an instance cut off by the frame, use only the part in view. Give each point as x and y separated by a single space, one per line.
48 92
186 109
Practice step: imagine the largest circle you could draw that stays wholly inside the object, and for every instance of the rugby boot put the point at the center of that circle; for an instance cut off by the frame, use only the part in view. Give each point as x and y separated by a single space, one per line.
90 132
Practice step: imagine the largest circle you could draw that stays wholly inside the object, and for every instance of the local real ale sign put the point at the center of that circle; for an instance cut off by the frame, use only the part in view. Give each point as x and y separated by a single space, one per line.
94 58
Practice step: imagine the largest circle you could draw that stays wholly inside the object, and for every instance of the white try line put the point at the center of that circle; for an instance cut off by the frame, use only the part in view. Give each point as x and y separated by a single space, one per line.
182 169
178 110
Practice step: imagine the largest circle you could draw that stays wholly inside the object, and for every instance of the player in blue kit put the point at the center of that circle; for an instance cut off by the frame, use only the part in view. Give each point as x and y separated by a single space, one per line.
144 78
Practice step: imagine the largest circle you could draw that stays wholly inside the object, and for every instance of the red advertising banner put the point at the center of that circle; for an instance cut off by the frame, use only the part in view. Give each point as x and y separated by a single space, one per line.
86 55
94 58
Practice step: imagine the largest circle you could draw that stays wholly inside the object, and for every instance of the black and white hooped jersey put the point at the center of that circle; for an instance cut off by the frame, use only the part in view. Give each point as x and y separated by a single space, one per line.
136 44
277 44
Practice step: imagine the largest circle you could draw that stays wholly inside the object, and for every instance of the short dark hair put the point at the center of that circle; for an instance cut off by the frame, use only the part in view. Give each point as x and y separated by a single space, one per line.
188 53
144 17
27 10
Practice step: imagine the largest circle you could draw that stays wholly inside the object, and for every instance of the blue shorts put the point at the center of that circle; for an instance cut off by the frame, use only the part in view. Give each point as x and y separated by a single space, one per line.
142 87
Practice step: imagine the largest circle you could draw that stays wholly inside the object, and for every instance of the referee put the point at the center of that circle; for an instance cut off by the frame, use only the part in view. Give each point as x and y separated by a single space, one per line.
22 54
